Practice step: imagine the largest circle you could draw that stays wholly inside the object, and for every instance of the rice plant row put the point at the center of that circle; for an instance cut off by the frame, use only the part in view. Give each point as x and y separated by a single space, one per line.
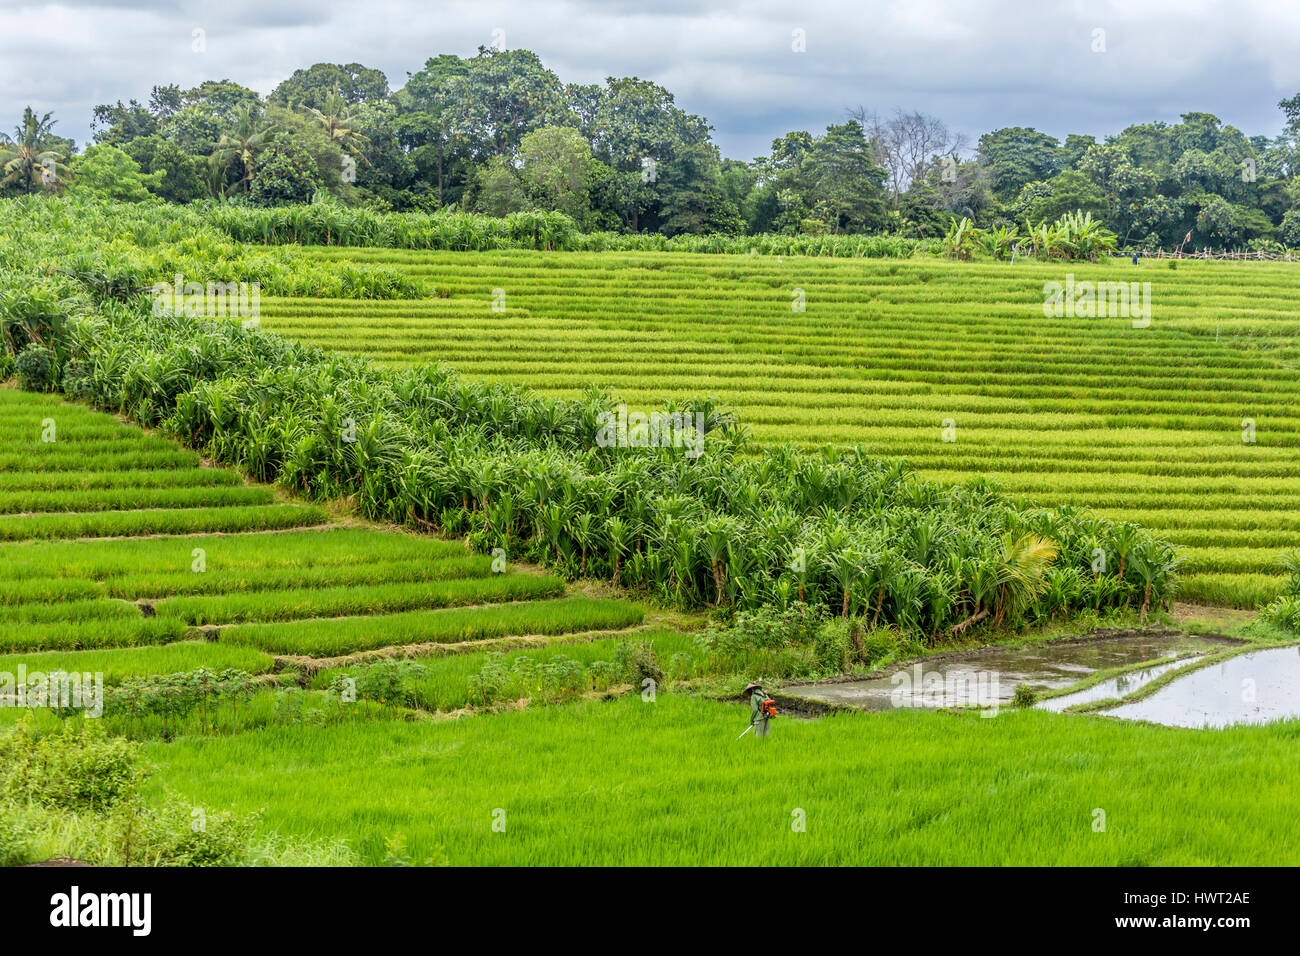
708 521
1187 425
316 638
113 578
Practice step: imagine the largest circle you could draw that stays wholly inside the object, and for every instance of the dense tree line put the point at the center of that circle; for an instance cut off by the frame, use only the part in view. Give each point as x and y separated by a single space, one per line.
498 133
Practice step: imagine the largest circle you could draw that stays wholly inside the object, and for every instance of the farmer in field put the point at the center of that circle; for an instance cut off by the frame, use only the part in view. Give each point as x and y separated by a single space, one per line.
758 715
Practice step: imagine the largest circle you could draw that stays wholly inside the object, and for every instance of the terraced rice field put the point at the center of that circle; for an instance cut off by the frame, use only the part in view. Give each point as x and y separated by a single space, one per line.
126 555
1141 424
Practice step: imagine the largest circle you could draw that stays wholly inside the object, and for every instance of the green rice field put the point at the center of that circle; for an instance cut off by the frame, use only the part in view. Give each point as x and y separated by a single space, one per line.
628 782
498 721
153 563
1142 424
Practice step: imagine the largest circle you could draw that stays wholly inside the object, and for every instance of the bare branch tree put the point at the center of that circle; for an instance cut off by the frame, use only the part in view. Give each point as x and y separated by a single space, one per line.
907 143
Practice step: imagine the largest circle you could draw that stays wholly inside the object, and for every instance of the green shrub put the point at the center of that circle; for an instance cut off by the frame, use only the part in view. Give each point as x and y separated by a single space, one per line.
879 646
37 368
636 662
6 365
176 833
769 627
396 854
1291 228
835 645
80 768
554 679
389 682
77 792
1283 613
13 841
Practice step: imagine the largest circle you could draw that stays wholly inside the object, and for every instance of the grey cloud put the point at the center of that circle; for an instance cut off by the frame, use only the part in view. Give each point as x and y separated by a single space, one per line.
978 64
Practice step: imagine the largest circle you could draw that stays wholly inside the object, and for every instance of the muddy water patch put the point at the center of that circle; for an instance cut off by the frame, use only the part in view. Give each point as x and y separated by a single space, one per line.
989 675
1252 688
1121 685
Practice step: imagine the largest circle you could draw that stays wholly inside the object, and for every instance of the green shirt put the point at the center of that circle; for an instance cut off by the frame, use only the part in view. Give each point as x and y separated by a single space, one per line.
756 707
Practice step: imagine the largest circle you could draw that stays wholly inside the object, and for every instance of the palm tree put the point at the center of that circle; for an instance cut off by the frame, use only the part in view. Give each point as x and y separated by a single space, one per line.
214 176
25 160
338 122
1022 573
244 142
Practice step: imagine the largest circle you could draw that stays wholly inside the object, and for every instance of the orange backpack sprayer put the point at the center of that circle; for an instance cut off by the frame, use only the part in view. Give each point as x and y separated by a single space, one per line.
767 709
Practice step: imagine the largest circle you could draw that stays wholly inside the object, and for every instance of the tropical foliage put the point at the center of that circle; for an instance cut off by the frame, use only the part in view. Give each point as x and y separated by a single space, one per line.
499 133
1075 236
29 160
521 473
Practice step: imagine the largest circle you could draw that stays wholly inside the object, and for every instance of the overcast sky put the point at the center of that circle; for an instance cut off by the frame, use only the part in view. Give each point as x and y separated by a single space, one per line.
977 64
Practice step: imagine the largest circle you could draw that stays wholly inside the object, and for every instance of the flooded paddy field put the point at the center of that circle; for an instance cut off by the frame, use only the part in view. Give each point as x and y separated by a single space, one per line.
989 676
1252 688
1119 686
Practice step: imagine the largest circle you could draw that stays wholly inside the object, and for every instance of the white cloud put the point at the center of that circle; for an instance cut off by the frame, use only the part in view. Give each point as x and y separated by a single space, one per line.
979 64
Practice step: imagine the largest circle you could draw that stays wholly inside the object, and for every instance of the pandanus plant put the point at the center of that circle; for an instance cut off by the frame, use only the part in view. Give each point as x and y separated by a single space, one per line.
583 531
880 568
735 526
554 519
844 562
715 541
981 583
1155 563
503 516
1126 537
618 533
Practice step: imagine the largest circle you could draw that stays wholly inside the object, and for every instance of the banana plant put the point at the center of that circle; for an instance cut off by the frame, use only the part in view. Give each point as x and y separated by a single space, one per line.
960 241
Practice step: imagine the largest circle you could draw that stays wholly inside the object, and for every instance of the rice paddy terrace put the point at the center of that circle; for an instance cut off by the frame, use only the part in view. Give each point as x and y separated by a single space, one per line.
120 552
124 554
1188 425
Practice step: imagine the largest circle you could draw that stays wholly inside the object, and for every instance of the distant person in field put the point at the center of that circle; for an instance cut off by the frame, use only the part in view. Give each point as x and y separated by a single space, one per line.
759 709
